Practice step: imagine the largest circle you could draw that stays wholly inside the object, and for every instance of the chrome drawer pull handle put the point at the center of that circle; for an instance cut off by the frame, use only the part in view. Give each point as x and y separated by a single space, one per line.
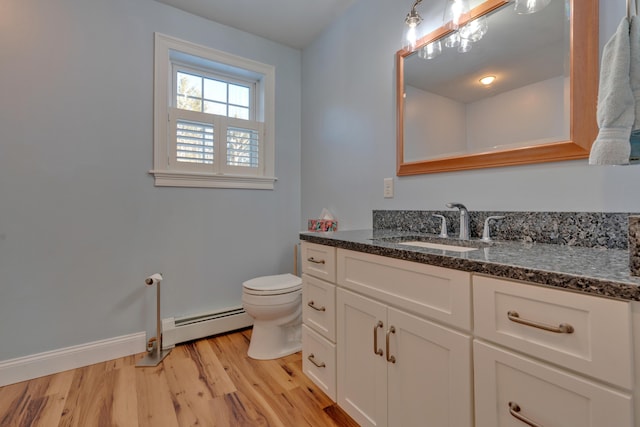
313 305
315 261
563 328
392 359
377 350
514 410
312 359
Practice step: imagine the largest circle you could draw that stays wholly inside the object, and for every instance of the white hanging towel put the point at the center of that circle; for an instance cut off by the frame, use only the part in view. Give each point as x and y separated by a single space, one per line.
634 67
616 107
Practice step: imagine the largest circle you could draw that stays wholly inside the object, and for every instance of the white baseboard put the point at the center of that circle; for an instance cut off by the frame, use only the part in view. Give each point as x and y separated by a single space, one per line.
174 331
50 362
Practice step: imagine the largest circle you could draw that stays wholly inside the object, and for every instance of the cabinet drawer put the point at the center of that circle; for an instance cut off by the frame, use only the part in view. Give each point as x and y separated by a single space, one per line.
439 293
599 345
319 361
544 395
319 261
319 306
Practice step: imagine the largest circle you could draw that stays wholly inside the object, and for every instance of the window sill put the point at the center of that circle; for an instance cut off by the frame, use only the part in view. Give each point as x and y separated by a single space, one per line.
166 178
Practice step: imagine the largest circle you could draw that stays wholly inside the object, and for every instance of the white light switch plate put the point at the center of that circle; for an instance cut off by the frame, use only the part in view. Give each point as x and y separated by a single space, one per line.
388 188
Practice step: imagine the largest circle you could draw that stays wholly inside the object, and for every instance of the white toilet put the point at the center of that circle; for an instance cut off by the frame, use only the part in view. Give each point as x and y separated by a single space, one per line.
275 303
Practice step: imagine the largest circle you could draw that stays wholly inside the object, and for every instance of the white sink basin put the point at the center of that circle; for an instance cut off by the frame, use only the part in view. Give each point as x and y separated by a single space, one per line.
438 246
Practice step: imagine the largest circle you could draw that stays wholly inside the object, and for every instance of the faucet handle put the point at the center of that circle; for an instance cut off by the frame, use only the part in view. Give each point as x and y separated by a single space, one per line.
443 226
486 234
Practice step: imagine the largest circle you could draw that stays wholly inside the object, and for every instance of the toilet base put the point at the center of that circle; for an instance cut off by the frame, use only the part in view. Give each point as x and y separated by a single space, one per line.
271 341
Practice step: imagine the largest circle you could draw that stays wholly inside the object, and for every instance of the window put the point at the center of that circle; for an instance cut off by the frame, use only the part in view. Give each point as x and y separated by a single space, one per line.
213 118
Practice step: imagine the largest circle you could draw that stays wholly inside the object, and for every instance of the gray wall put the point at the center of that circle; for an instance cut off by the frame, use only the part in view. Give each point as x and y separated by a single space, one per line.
348 139
81 223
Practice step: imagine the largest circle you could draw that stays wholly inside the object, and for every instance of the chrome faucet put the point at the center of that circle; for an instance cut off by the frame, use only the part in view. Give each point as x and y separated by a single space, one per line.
464 219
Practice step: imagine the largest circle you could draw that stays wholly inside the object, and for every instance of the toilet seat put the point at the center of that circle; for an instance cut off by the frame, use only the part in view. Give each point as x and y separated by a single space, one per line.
273 285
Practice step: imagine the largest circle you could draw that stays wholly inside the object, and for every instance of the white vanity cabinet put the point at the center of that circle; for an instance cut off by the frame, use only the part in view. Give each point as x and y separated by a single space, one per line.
319 316
410 344
395 367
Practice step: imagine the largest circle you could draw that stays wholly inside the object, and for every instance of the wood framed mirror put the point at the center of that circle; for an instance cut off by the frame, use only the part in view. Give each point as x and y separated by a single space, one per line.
578 80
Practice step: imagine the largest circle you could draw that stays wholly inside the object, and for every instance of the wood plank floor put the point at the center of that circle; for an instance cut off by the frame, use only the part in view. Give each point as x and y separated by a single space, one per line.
205 383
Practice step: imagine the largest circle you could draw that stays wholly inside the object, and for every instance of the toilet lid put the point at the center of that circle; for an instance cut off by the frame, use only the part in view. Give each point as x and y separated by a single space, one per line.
273 285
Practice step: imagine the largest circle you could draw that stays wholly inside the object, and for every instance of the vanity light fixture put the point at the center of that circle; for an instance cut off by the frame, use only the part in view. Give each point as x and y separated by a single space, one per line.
461 37
487 80
454 15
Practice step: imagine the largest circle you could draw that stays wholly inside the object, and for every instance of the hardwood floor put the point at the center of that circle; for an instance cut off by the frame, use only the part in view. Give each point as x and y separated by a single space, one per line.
205 383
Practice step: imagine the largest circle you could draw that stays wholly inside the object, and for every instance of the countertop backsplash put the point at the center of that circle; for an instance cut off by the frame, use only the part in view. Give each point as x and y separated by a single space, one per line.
634 244
586 229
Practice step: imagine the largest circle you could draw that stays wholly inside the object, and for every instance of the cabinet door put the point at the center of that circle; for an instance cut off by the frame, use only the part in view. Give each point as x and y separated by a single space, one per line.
513 390
430 381
362 370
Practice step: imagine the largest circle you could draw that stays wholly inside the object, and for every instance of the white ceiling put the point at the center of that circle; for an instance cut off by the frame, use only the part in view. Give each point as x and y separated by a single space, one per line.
295 23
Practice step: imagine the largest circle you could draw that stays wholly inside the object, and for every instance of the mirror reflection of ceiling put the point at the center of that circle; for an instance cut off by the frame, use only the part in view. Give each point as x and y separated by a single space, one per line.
517 49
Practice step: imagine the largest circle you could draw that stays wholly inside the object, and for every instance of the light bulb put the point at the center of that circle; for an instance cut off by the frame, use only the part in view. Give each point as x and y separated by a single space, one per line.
411 36
454 13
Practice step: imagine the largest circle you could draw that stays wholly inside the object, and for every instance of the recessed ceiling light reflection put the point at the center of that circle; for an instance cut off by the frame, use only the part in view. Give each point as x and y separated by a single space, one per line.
487 80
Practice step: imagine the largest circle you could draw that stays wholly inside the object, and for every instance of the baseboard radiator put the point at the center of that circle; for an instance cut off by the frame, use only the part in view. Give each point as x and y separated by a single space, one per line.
176 330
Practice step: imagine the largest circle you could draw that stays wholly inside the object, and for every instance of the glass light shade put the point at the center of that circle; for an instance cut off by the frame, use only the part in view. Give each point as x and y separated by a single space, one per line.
453 40
475 29
465 45
431 50
523 7
410 37
411 28
454 13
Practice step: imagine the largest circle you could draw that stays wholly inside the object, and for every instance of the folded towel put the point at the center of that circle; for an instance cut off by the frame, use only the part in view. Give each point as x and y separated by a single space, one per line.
616 110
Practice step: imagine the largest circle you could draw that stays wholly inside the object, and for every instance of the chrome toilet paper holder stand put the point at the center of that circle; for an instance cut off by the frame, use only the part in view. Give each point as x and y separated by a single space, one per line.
156 353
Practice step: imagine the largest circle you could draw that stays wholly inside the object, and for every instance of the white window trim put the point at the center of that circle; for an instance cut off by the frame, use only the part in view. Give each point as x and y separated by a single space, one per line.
163 83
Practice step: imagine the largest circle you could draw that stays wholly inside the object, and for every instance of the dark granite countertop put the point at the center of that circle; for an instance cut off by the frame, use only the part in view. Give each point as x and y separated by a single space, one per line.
601 272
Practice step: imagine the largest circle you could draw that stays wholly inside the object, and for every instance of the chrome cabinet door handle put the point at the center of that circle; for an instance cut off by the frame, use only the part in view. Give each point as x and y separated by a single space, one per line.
563 328
514 410
377 350
315 261
312 359
312 305
390 358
